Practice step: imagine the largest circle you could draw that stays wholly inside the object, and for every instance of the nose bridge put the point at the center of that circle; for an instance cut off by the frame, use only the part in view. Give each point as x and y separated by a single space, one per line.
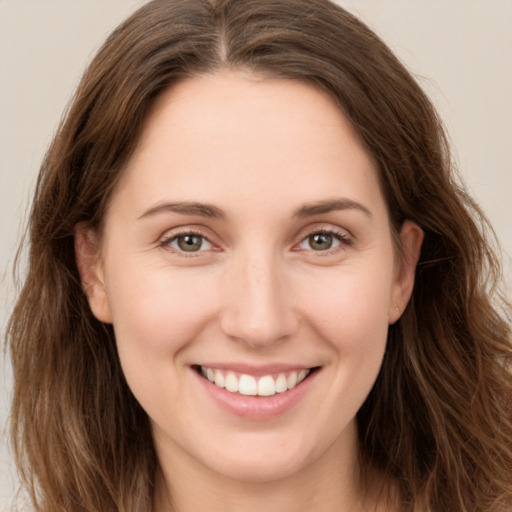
258 302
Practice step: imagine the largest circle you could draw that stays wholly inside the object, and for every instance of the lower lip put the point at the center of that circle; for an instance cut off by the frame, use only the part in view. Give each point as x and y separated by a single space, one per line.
257 407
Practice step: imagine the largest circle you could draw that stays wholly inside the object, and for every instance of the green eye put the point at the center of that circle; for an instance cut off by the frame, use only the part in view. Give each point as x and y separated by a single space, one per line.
189 242
323 241
320 241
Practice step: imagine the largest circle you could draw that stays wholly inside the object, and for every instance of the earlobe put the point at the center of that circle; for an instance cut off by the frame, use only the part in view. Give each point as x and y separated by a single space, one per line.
90 268
411 237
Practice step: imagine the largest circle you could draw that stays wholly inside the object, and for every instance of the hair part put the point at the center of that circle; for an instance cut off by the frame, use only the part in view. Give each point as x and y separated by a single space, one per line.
438 422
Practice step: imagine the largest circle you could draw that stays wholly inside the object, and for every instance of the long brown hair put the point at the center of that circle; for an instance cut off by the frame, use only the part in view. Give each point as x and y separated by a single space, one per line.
438 422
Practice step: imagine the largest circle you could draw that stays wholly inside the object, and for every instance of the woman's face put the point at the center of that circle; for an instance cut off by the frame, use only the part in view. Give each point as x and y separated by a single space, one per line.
249 243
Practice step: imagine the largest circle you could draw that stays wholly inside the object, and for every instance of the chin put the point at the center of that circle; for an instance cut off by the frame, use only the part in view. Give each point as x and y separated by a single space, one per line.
264 458
257 469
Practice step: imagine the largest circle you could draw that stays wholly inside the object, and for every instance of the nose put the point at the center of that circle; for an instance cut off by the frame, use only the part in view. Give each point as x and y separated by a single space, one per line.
257 303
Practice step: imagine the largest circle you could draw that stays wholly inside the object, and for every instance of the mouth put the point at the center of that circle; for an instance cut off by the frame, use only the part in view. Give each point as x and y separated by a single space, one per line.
251 385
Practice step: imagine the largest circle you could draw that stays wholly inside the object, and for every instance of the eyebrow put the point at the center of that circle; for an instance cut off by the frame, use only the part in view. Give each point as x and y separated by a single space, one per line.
212 212
185 208
329 205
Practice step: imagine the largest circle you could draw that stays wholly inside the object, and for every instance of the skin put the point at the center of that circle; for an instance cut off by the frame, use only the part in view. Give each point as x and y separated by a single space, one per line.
258 151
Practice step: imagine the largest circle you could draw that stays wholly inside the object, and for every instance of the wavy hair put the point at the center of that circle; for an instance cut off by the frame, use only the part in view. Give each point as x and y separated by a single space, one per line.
438 421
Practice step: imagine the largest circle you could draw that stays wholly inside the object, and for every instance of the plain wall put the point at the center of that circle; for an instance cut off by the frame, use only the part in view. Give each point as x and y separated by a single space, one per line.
460 51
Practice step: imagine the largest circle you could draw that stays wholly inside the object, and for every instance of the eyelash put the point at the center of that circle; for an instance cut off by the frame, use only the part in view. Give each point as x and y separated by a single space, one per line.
343 239
165 243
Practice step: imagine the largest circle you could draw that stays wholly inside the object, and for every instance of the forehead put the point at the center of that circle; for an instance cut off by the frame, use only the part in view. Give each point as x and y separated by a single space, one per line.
220 136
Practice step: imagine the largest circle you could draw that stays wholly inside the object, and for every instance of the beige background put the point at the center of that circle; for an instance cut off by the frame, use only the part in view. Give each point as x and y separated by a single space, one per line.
460 50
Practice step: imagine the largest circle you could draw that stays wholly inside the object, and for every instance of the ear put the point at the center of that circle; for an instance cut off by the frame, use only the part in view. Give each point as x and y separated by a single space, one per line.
411 237
90 268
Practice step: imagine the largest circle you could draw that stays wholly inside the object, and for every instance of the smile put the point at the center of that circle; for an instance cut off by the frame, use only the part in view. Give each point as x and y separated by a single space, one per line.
249 385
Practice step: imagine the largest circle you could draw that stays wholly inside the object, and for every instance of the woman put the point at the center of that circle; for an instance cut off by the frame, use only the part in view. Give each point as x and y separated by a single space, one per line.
254 282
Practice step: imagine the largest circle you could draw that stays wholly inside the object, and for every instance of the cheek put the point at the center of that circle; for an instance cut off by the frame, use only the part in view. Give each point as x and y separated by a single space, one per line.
350 311
156 315
159 311
351 317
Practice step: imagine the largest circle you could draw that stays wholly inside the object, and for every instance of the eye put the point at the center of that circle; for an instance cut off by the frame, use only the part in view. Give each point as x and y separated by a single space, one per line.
320 241
188 242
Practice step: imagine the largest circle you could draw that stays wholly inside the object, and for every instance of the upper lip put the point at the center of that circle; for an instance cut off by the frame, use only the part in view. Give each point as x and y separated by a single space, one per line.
257 370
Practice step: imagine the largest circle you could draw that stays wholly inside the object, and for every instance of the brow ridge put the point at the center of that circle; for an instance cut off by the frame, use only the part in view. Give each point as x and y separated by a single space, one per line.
329 205
185 208
211 211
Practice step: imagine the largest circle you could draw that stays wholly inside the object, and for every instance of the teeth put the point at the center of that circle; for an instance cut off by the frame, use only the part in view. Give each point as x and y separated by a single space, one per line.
219 379
231 382
266 386
249 386
291 381
281 385
301 376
